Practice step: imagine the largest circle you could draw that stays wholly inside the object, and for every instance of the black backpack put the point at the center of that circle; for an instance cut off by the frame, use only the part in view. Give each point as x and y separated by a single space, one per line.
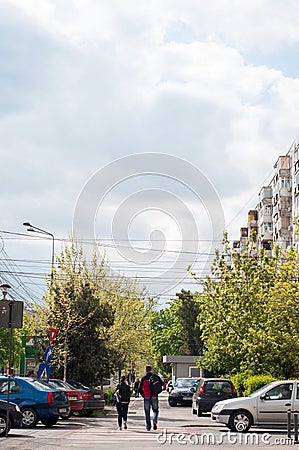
155 384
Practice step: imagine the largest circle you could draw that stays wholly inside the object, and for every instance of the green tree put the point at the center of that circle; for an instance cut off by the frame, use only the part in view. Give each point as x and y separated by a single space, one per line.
188 313
176 329
130 335
102 318
283 317
245 326
78 311
17 348
166 335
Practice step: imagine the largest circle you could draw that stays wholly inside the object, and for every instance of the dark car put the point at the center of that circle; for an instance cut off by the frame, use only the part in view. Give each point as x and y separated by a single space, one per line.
74 394
182 391
210 391
35 400
93 398
15 417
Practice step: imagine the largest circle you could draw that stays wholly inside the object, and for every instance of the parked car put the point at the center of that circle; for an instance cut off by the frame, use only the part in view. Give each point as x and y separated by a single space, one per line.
15 417
108 383
169 385
209 391
74 395
182 391
165 382
267 406
93 399
35 400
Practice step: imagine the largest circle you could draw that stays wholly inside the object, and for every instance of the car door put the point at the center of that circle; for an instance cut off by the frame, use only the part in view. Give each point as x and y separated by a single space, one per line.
273 405
15 390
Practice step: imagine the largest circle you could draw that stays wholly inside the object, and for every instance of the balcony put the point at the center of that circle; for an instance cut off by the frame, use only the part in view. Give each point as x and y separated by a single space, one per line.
265 193
283 164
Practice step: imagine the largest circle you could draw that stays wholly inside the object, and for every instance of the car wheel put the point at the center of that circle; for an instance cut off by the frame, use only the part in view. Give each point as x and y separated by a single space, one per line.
85 413
172 402
240 421
3 425
198 412
30 418
50 422
194 411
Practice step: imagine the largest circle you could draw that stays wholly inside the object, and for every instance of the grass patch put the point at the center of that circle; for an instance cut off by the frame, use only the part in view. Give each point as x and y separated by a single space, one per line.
101 412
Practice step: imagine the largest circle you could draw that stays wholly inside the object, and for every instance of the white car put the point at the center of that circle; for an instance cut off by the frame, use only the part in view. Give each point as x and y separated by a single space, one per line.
267 406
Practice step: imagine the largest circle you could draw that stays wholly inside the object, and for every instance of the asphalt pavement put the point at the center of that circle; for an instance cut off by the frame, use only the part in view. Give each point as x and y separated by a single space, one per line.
177 428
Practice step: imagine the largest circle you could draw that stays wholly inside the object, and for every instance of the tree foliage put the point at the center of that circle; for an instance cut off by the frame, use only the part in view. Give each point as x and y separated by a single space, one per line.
101 319
176 329
17 348
249 314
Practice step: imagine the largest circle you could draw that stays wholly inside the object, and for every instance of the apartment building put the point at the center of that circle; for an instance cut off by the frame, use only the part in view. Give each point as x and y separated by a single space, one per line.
278 206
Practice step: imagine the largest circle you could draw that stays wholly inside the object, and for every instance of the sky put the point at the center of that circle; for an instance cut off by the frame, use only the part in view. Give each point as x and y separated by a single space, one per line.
143 126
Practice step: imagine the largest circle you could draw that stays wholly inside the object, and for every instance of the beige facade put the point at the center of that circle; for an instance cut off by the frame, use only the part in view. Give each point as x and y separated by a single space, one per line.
278 206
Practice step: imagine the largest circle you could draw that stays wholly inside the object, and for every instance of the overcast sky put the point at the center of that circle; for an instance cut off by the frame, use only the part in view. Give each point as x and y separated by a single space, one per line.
87 82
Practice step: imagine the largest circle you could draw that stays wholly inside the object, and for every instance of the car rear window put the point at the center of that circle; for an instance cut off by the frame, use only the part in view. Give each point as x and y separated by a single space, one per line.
185 382
40 386
218 386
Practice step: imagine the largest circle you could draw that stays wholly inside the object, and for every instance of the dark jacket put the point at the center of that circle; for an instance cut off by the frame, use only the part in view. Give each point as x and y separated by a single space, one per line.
144 389
125 392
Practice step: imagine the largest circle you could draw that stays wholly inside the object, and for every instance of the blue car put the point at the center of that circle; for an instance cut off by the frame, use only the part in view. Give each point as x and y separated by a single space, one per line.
35 400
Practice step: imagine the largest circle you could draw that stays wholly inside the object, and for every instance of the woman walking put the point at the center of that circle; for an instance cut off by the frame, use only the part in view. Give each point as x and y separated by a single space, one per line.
122 396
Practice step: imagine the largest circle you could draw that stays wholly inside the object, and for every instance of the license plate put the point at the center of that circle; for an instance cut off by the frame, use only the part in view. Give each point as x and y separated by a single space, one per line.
97 396
186 398
62 410
73 398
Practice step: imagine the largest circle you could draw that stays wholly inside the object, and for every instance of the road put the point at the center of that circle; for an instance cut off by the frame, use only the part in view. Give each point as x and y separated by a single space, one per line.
178 428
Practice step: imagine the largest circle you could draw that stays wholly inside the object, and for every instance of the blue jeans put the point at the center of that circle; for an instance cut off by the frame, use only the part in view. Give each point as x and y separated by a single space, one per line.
148 402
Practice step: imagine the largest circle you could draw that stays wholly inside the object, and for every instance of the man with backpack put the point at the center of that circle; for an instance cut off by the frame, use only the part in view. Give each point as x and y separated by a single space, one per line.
149 388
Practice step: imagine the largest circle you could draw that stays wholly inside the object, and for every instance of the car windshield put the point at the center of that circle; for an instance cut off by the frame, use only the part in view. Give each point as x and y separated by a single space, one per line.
185 382
260 390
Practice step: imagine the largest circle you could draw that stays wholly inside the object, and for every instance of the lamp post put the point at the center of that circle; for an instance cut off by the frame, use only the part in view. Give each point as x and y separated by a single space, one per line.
11 316
5 288
35 229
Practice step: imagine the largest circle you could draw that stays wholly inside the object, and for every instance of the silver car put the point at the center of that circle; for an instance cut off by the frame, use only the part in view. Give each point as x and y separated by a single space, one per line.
267 406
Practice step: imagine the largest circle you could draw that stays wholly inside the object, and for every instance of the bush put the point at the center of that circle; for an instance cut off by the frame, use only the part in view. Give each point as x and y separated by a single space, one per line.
239 381
245 383
108 395
255 382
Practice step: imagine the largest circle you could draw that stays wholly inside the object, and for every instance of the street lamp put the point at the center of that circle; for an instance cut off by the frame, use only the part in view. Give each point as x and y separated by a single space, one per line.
5 288
11 316
35 229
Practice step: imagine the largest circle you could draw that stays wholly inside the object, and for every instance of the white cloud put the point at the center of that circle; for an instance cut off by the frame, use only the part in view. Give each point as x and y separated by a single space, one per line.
85 82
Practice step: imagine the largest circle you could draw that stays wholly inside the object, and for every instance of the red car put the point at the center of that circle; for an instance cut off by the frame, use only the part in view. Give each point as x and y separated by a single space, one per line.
75 395
93 398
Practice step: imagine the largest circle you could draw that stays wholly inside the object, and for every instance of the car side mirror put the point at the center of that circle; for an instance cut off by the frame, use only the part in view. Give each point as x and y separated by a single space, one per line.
193 389
263 397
